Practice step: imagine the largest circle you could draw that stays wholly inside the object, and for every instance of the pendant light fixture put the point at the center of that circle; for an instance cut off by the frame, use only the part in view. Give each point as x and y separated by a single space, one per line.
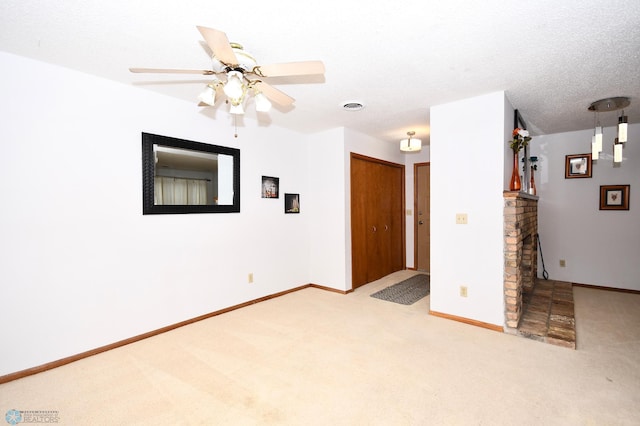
410 144
606 105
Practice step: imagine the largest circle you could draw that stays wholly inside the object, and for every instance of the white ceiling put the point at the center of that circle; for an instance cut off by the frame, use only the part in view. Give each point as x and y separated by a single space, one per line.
553 58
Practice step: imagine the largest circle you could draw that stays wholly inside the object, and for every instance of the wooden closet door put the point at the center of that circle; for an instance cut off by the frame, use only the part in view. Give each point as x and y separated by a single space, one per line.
378 213
377 220
359 225
395 254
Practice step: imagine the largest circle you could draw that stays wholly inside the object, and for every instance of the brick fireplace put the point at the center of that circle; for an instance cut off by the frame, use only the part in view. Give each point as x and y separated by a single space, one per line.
520 253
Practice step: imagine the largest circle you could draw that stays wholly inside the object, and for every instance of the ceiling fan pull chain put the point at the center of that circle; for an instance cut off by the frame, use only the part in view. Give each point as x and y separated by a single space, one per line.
235 124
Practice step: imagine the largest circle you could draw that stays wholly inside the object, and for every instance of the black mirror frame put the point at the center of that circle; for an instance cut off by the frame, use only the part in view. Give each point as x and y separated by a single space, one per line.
148 174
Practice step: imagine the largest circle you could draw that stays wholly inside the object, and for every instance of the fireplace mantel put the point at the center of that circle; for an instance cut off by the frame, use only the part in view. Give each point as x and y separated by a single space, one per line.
519 194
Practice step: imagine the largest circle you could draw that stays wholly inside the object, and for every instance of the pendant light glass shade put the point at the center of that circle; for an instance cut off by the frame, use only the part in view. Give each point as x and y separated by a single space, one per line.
262 103
617 152
410 145
236 109
234 88
622 128
598 138
208 96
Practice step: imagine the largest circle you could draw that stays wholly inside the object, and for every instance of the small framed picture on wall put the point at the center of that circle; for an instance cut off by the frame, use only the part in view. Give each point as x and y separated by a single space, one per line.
270 187
614 197
292 203
577 166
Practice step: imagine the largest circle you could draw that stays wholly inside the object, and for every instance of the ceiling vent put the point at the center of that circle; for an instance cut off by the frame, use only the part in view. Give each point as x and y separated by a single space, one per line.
352 106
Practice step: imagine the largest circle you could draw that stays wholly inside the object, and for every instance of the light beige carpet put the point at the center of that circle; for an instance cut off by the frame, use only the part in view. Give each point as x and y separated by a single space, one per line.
315 357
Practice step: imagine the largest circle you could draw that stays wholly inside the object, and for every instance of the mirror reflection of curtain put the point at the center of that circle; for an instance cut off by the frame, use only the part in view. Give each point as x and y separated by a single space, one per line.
179 191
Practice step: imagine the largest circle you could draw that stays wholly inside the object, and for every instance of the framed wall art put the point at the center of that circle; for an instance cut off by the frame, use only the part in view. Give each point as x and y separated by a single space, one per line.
292 203
614 197
577 166
270 187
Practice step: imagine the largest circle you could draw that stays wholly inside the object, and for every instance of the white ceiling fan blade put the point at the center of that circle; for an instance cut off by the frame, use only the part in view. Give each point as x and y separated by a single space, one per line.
219 44
292 68
274 94
170 71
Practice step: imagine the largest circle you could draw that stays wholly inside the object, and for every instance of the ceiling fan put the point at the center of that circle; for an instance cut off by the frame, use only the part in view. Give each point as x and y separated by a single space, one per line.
237 74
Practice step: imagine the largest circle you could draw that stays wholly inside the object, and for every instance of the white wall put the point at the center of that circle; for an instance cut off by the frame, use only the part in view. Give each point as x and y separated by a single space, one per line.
468 140
81 267
600 247
328 227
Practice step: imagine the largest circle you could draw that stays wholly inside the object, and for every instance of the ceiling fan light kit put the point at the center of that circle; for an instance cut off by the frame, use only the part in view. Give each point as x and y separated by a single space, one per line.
241 75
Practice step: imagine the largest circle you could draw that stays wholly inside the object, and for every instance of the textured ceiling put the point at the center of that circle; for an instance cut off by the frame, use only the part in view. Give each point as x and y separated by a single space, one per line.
553 58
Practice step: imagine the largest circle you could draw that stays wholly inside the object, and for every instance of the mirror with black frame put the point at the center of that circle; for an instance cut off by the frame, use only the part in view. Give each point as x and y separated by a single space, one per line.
182 176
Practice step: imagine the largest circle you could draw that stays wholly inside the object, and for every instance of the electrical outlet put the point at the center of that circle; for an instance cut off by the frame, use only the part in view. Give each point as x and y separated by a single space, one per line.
461 218
409 212
250 278
563 263
463 291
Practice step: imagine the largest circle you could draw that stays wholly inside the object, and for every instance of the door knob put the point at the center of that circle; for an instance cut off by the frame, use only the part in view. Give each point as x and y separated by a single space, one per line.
420 222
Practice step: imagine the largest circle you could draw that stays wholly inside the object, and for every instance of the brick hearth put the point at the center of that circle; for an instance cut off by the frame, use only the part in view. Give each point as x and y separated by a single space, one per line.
548 313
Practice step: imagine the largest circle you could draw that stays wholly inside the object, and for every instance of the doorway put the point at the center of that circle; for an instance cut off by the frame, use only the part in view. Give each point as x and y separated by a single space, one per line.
422 216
